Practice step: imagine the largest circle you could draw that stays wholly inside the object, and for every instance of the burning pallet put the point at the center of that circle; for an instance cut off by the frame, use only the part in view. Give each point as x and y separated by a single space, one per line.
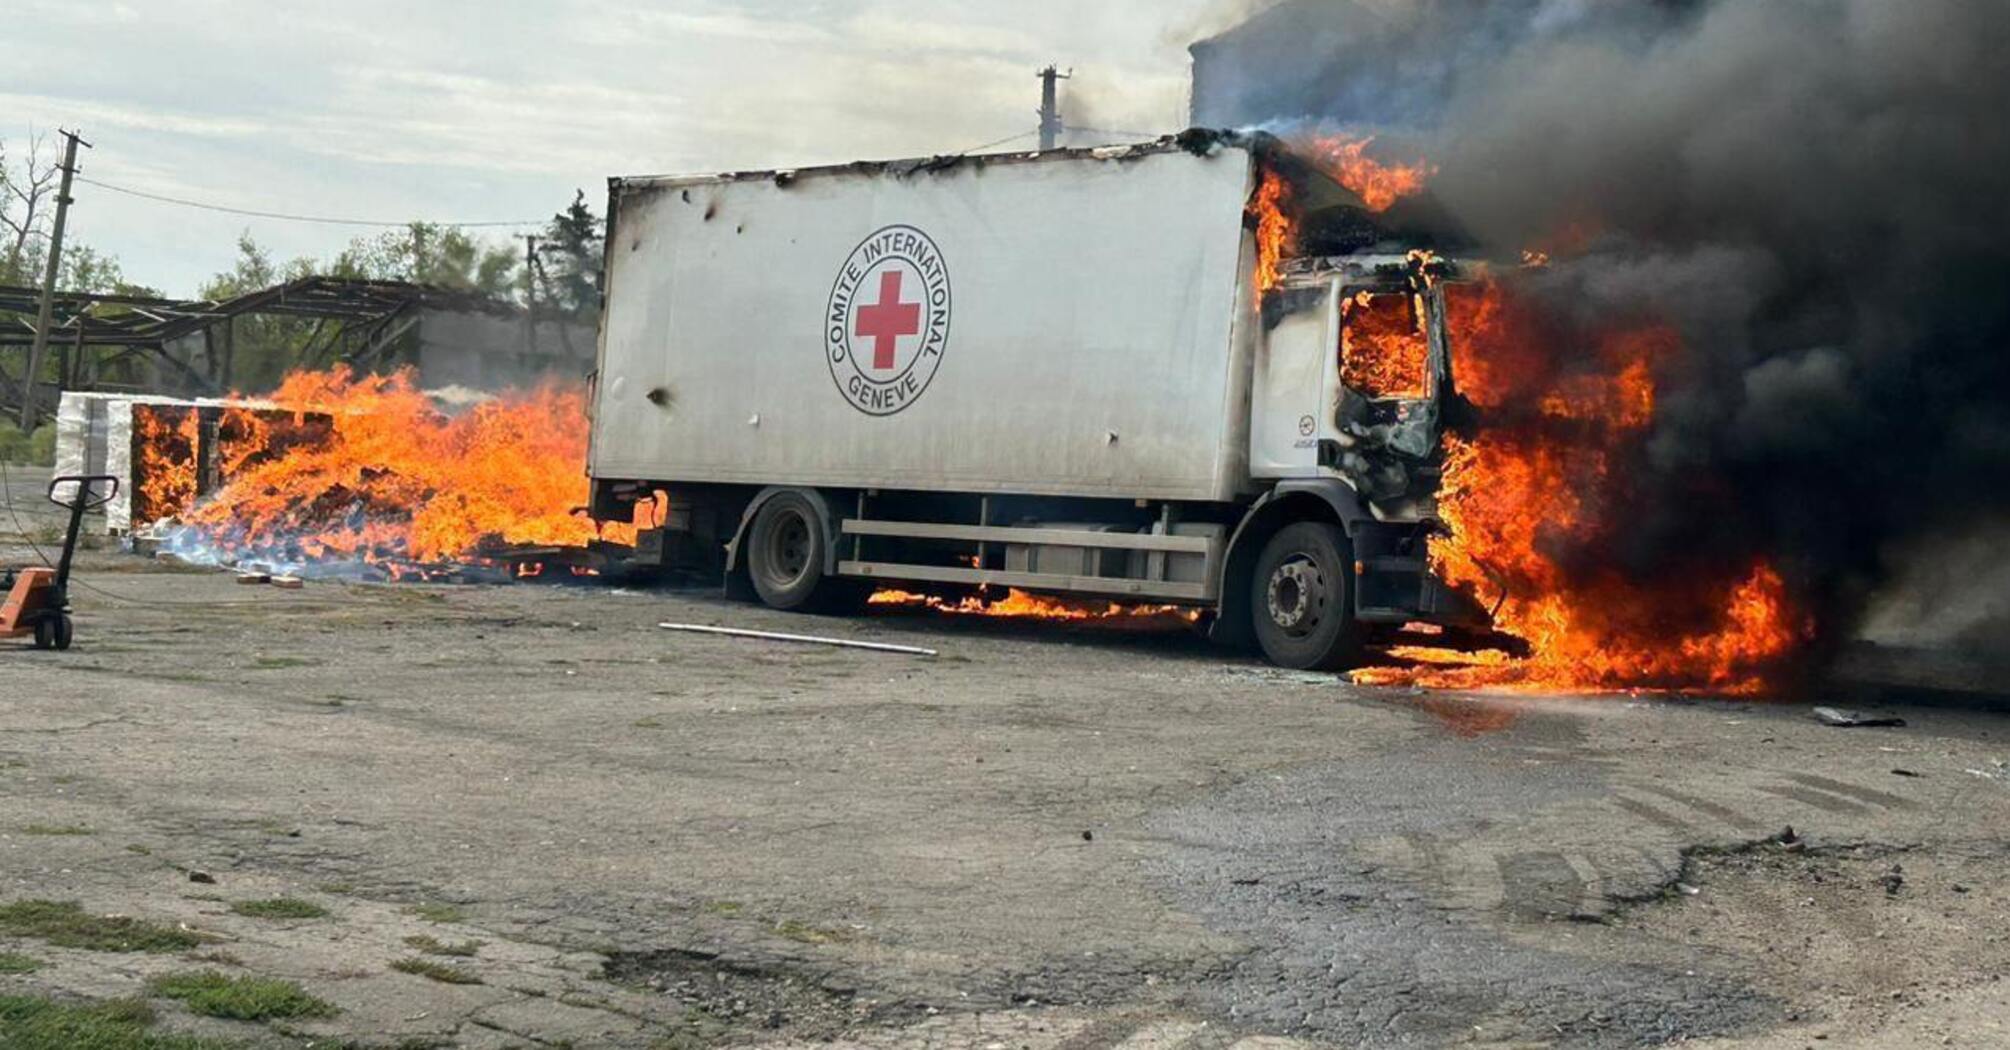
360 477
171 453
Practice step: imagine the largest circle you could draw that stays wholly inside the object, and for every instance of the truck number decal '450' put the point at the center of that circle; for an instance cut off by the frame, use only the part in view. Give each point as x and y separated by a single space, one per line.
887 323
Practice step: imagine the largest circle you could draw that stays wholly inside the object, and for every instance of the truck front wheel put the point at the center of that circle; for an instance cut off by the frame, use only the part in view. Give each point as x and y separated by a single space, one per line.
1299 598
786 552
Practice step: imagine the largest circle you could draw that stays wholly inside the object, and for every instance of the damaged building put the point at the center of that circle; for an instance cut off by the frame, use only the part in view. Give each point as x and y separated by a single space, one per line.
1389 64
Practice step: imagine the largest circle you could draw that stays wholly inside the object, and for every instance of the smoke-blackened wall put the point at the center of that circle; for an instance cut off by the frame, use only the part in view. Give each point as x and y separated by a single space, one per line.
1812 192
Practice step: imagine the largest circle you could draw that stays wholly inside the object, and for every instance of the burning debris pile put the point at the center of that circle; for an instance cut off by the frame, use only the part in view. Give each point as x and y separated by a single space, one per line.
1766 347
365 475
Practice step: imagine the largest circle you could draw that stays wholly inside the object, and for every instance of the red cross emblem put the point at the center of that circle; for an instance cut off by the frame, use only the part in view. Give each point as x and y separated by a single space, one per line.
886 321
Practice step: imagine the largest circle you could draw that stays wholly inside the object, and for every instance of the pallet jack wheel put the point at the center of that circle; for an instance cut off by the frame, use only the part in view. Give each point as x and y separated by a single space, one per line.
53 632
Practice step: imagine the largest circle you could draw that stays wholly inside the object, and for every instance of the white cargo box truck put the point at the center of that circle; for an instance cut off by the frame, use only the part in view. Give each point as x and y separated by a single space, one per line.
1050 371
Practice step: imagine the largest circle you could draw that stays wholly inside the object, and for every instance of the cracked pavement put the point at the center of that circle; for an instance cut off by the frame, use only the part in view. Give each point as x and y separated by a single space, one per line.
1051 837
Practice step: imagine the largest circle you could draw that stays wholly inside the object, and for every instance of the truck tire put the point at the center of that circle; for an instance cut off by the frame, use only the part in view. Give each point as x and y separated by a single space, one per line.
1299 598
786 549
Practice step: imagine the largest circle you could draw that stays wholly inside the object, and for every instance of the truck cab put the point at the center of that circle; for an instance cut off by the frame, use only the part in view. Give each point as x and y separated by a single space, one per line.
1351 385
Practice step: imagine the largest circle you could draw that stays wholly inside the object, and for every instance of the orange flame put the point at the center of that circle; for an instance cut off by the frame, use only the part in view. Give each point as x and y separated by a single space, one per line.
1384 351
165 438
390 479
1380 185
1526 491
1019 604
1272 209
1276 229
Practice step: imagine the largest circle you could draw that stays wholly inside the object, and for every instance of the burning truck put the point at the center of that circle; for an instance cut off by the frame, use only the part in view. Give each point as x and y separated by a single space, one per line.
1079 372
1214 378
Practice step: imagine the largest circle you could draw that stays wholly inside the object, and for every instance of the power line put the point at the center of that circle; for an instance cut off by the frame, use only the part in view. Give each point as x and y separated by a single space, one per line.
1000 142
324 220
1119 134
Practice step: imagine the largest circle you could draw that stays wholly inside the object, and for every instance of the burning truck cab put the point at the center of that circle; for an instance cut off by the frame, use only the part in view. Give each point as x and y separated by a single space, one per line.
1201 372
1355 352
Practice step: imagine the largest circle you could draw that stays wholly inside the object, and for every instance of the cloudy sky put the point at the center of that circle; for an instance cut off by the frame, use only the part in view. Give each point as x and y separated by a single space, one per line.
467 110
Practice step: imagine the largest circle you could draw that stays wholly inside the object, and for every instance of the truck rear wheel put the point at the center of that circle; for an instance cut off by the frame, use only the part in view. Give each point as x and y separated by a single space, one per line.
1299 598
786 553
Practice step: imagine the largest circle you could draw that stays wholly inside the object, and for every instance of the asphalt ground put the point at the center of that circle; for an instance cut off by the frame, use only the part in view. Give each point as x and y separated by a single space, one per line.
1050 835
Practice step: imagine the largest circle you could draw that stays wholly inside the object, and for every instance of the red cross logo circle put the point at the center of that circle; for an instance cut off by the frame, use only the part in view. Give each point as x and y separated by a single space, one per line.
887 323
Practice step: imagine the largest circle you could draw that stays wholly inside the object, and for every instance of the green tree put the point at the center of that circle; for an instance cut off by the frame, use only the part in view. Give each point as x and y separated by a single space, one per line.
424 253
569 259
253 351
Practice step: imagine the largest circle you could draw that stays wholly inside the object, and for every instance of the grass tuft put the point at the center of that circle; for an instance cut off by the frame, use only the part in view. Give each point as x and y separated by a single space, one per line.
807 934
65 924
280 663
215 994
57 829
435 946
280 908
28 1023
434 971
14 962
438 912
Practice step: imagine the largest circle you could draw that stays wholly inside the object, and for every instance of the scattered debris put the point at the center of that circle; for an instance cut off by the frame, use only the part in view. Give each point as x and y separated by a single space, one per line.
1893 880
203 877
288 583
254 577
1831 716
1789 841
810 639
1905 773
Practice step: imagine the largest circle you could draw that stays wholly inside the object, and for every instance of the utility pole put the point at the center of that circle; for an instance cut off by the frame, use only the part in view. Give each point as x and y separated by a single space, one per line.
1050 108
45 316
418 253
530 292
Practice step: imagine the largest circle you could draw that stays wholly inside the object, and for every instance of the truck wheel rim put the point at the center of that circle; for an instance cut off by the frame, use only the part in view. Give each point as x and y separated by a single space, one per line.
789 550
1295 596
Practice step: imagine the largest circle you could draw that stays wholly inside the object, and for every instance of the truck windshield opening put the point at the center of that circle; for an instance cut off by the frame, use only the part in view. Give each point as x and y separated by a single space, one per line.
1384 351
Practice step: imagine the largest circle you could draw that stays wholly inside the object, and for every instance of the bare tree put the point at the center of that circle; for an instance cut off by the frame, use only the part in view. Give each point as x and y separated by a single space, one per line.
24 190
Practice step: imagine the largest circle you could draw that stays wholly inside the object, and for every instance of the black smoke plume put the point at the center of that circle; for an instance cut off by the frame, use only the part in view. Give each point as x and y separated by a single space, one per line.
1815 193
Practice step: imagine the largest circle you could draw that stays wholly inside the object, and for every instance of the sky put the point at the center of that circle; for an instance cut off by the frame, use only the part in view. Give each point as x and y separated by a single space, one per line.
496 110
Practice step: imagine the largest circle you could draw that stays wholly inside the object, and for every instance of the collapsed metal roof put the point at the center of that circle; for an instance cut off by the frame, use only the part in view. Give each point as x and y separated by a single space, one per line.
109 319
357 322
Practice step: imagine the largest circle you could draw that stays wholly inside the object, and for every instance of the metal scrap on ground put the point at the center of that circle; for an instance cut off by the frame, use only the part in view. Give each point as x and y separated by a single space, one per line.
776 636
1841 719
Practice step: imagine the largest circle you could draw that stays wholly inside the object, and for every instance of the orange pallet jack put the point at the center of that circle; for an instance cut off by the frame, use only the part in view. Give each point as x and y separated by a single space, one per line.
38 598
